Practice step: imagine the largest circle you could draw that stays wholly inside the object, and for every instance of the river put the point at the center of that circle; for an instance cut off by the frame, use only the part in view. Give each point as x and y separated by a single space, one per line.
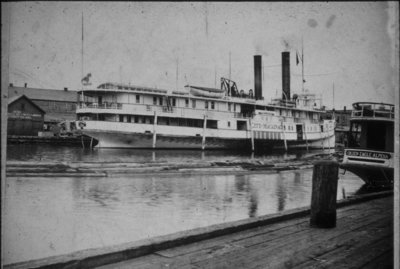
51 216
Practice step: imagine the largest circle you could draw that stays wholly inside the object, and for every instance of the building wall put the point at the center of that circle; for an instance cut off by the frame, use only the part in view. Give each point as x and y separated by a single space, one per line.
24 126
24 118
56 106
59 105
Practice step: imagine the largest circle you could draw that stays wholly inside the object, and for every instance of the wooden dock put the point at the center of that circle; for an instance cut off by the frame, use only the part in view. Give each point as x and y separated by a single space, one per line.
363 238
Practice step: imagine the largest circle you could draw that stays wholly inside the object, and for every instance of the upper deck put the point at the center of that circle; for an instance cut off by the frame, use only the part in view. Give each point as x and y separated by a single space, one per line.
372 111
302 102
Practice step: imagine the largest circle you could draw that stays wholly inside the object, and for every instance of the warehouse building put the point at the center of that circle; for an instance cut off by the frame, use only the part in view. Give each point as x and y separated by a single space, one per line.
24 116
58 105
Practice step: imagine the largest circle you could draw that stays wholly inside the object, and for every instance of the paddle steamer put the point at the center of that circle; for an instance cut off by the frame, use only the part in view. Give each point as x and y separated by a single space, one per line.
126 116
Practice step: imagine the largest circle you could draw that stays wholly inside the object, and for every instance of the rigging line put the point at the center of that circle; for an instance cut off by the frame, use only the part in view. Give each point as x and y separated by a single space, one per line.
315 75
24 75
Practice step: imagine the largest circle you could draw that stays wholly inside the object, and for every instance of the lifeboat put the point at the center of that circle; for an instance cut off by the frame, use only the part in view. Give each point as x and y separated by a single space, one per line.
206 92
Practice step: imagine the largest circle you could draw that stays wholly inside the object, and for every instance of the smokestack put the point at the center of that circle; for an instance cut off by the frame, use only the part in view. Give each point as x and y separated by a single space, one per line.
257 77
286 75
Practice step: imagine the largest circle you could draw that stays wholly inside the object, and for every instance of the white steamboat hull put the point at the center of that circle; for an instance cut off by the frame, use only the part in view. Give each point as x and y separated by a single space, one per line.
176 137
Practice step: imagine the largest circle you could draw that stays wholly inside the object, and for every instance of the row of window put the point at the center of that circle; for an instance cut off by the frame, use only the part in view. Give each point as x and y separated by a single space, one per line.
188 122
212 124
172 102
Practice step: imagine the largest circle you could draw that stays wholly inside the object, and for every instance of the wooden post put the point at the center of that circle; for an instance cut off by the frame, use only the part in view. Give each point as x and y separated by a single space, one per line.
324 192
251 135
284 135
305 135
83 144
329 139
203 141
154 129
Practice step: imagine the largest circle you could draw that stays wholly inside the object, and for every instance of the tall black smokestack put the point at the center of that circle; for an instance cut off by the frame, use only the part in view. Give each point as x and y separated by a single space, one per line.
286 75
257 77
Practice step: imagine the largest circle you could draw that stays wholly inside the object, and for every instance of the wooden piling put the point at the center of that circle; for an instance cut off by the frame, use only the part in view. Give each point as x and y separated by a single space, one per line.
284 135
203 141
83 144
251 135
154 129
305 135
324 192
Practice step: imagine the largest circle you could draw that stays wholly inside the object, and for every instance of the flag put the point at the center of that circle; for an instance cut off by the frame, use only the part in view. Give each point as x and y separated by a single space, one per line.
85 81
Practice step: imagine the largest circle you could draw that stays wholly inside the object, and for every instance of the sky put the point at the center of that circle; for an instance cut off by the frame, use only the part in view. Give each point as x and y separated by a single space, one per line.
348 46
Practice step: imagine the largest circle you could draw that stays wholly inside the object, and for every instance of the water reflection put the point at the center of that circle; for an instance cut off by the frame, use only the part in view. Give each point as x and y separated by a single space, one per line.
253 204
281 193
244 187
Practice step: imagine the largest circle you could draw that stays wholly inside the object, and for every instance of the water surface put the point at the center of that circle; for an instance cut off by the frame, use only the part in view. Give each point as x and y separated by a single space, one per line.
52 216
48 153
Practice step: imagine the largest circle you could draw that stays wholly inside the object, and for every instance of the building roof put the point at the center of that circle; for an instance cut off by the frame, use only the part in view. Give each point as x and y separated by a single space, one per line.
57 117
17 97
43 94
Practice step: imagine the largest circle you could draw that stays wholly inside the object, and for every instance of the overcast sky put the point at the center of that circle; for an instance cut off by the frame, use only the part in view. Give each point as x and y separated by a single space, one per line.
345 44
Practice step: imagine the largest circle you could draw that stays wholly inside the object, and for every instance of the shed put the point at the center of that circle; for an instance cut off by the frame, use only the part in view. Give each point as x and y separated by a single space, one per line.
24 116
59 105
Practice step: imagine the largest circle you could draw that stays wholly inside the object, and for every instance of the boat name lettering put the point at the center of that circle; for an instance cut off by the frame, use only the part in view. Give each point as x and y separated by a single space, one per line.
266 126
369 154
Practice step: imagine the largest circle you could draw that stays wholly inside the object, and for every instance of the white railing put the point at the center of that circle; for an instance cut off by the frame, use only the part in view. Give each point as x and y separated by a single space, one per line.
149 109
373 110
101 105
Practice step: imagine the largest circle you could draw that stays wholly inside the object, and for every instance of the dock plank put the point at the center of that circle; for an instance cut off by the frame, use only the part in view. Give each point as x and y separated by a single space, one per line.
256 233
276 245
363 238
280 253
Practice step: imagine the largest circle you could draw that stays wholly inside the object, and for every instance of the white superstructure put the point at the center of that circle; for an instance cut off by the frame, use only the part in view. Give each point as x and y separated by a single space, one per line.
125 116
370 150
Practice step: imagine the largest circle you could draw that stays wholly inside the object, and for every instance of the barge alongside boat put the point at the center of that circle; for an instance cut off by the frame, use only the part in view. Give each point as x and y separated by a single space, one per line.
126 116
370 151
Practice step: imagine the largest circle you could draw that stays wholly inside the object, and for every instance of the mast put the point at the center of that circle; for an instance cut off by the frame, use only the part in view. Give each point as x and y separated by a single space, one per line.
215 76
82 98
82 50
120 74
333 95
302 65
177 72
229 66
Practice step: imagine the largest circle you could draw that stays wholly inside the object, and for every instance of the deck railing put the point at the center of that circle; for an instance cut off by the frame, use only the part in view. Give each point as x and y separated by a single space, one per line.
373 110
101 105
